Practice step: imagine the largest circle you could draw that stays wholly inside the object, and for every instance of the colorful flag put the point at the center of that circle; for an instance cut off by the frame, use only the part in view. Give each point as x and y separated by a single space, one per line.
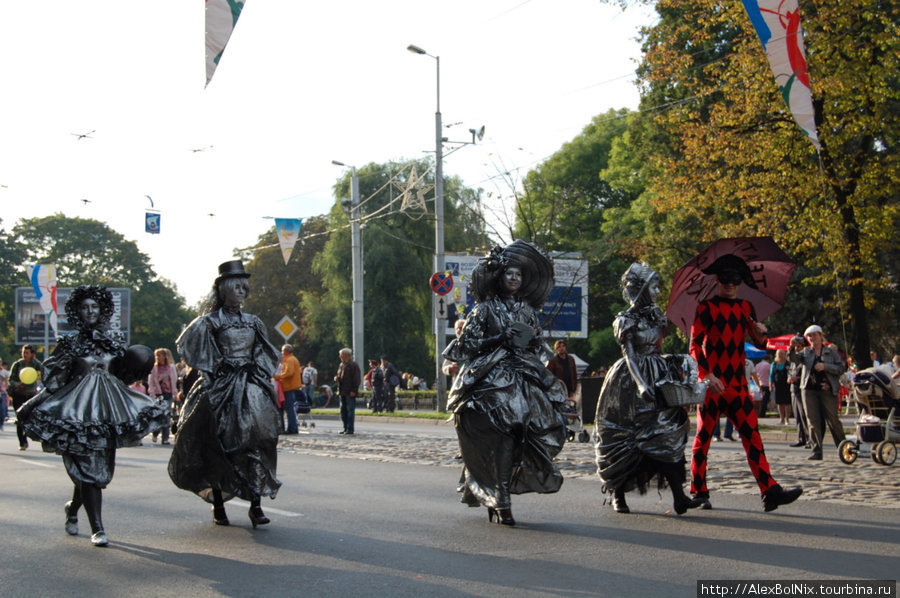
151 222
221 18
777 22
43 280
288 231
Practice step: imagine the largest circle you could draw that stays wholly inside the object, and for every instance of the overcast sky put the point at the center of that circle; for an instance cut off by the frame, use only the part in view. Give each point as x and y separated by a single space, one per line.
300 84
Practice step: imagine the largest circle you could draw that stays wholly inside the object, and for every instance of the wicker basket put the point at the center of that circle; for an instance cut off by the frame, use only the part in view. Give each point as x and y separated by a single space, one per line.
689 391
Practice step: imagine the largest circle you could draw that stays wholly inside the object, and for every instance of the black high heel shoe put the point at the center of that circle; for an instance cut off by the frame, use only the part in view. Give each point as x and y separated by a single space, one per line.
618 503
682 503
504 516
219 516
257 517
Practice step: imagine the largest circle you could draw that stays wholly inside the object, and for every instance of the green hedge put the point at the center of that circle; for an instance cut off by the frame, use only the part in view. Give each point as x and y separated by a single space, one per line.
409 399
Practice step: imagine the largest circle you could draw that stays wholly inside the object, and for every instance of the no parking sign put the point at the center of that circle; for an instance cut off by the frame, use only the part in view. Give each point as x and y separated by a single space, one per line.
441 283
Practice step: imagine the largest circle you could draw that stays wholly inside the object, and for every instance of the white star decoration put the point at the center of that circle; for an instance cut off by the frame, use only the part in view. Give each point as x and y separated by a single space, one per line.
412 195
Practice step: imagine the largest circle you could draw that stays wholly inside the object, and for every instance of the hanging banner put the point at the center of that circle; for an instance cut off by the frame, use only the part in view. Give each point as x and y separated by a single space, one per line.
288 231
777 22
221 18
151 223
43 281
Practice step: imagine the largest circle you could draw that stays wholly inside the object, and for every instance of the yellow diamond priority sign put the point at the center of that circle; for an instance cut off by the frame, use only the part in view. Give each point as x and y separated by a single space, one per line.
286 327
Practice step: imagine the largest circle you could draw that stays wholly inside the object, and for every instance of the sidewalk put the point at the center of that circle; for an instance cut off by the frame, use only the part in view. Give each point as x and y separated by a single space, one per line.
770 429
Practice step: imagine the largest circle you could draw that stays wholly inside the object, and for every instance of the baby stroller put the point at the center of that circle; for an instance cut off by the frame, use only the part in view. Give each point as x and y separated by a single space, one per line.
877 397
304 407
574 423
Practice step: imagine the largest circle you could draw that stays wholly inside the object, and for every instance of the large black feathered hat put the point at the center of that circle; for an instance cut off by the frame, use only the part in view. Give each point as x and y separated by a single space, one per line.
729 261
537 273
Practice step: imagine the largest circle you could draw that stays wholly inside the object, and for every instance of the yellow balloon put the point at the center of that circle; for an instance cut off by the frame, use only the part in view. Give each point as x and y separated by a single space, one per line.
28 375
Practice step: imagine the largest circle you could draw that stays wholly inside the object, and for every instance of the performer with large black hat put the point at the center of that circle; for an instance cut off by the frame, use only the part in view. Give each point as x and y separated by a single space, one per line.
227 437
86 409
507 406
720 328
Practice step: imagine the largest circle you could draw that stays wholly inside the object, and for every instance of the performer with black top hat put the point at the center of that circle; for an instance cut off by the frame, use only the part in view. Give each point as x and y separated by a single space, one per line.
227 437
720 328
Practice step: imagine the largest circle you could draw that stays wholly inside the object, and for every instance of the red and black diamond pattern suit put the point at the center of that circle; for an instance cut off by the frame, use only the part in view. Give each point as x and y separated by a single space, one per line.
717 343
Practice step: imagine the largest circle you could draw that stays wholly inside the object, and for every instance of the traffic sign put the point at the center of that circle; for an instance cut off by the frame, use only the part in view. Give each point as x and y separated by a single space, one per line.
441 308
441 283
286 327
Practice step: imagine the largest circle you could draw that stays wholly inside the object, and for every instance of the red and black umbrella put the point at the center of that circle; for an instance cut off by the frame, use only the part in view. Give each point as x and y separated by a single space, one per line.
770 267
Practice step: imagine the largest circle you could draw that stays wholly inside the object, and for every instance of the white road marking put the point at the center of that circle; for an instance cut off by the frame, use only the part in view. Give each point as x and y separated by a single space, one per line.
267 509
38 463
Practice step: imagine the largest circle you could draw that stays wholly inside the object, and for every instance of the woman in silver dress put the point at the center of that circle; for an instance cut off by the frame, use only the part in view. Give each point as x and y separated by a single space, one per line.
86 409
507 406
228 432
638 436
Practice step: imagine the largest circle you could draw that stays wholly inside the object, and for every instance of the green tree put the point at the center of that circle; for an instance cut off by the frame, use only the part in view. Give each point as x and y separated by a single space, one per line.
562 208
87 251
398 243
12 255
723 157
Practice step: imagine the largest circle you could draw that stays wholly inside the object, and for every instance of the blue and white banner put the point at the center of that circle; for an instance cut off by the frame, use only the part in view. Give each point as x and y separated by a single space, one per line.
288 231
151 223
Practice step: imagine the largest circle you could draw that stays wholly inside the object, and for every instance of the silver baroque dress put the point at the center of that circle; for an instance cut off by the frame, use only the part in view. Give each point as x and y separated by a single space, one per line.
634 434
229 426
507 408
85 412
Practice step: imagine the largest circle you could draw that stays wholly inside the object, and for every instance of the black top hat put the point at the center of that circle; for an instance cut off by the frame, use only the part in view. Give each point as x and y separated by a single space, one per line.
232 269
729 261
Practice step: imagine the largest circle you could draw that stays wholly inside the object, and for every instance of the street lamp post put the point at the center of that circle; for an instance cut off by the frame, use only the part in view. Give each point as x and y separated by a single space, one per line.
356 256
439 265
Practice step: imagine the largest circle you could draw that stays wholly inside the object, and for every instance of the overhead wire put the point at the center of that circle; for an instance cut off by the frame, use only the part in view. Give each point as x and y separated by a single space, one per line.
386 210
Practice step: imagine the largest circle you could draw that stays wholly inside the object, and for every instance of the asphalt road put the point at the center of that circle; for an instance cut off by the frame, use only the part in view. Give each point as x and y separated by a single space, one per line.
349 525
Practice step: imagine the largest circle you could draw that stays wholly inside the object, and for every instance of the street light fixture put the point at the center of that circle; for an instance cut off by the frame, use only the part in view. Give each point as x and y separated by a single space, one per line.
439 265
351 206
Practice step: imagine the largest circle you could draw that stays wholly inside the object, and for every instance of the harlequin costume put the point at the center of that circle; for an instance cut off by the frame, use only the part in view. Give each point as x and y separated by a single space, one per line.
720 328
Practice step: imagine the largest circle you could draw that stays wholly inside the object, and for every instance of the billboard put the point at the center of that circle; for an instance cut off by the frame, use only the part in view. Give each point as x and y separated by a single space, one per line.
31 322
564 315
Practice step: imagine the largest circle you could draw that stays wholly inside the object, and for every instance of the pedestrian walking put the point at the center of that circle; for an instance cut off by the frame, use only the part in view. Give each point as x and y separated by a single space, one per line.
162 384
348 379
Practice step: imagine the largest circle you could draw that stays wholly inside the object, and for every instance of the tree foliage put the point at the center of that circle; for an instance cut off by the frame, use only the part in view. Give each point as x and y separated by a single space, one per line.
723 157
12 255
562 208
398 245
87 251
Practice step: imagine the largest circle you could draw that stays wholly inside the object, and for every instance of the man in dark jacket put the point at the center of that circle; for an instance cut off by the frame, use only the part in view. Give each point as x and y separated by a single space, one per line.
562 365
391 380
348 379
